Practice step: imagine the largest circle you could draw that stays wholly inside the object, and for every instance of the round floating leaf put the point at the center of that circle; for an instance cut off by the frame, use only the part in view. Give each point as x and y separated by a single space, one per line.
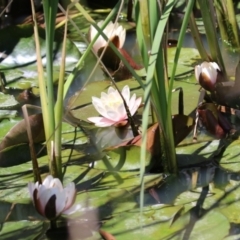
18 51
8 101
186 62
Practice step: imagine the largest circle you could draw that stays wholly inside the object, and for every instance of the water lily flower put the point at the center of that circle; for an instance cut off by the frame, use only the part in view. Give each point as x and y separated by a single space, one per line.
51 199
115 32
112 109
206 74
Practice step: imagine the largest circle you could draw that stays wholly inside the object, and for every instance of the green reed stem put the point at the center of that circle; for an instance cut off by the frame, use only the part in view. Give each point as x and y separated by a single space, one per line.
233 21
197 39
59 105
208 13
50 11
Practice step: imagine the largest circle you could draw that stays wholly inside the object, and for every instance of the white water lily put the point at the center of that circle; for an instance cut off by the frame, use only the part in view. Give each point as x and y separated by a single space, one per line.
206 74
114 32
51 199
112 109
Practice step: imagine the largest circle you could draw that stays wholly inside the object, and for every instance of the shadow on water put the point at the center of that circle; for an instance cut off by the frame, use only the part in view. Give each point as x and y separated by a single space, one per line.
167 190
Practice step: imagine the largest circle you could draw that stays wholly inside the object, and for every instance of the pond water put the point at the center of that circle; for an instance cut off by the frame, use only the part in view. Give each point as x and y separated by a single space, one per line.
201 202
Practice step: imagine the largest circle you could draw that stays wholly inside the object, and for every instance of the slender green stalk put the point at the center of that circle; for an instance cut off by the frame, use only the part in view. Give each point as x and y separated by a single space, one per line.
36 172
221 18
50 11
233 22
197 39
144 16
59 106
154 81
41 79
141 32
172 166
208 13
153 16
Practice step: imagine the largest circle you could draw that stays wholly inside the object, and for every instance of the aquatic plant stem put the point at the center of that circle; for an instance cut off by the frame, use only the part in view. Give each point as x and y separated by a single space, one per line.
233 22
53 224
220 13
36 172
172 165
207 11
59 106
50 11
154 80
197 39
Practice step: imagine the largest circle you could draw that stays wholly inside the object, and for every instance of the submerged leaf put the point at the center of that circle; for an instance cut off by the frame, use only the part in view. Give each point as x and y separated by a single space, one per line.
182 126
18 133
153 141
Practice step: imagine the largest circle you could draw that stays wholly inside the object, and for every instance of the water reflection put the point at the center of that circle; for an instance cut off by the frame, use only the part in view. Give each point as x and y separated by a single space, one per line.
190 179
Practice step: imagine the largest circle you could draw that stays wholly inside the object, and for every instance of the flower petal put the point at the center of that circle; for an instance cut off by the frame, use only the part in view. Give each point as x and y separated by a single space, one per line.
70 193
126 94
132 102
215 65
72 209
111 30
111 90
60 201
98 104
37 204
101 121
47 181
198 70
56 183
31 188
136 106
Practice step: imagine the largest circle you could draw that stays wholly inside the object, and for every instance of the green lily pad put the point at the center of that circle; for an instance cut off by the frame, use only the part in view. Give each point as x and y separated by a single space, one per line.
18 51
8 114
23 229
7 102
230 159
186 62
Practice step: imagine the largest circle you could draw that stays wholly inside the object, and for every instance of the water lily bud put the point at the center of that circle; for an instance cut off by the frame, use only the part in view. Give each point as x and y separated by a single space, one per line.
51 199
115 32
112 109
206 74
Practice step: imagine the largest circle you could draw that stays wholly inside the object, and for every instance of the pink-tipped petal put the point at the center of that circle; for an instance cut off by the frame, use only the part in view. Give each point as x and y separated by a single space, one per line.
101 122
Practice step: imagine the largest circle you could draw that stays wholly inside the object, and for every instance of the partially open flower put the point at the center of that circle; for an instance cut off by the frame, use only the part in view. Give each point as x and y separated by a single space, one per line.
114 32
112 109
51 199
206 74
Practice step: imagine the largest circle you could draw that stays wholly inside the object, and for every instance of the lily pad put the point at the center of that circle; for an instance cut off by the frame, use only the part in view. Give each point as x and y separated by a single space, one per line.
8 102
186 62
17 48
